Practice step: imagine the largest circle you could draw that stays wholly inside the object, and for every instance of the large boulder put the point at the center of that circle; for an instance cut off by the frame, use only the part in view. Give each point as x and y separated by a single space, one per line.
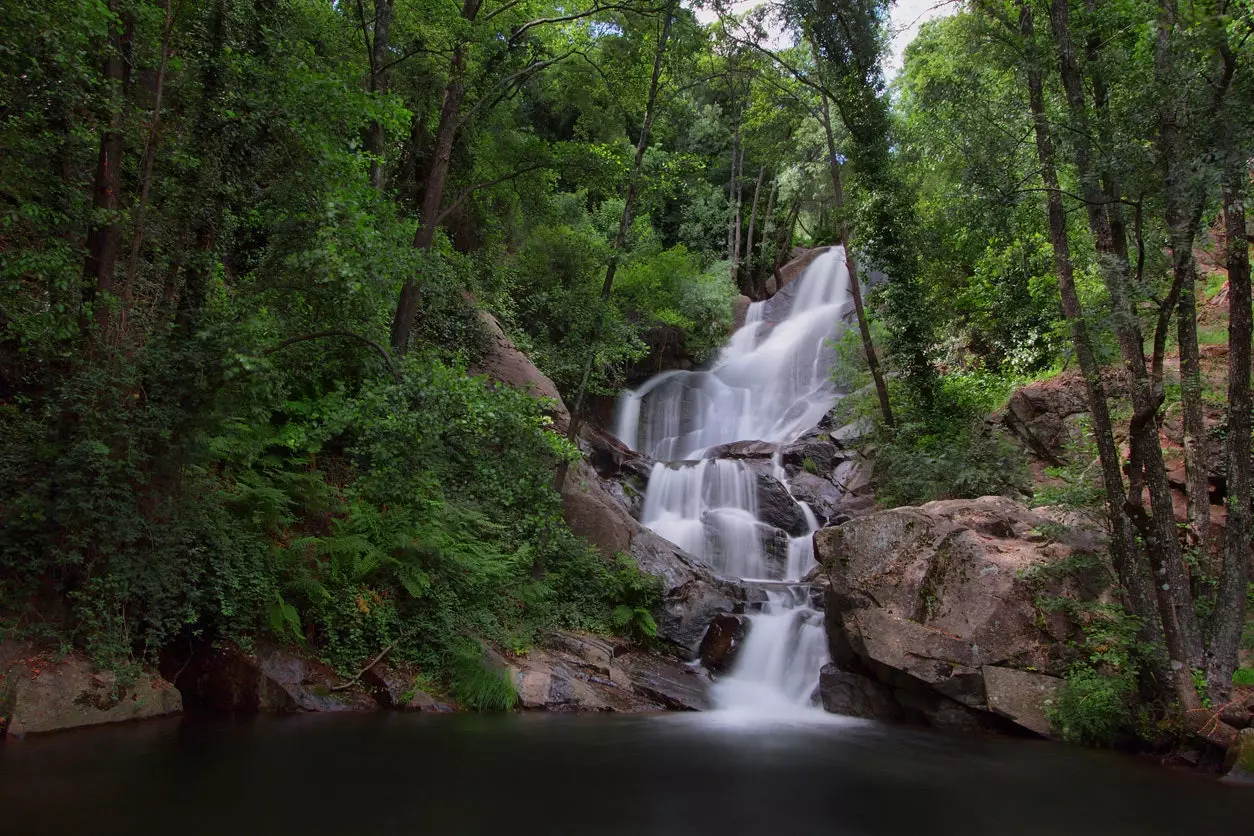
270 679
940 601
1042 415
592 513
723 640
1240 759
504 363
777 508
579 672
41 693
692 595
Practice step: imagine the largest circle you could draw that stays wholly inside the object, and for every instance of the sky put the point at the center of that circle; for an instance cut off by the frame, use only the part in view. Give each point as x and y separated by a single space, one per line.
907 16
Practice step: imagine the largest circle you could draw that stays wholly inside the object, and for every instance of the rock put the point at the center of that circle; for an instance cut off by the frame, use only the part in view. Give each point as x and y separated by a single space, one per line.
41 694
742 450
273 678
937 600
692 595
622 473
422 701
1037 414
814 455
395 688
851 435
1021 696
722 640
504 363
1240 758
777 508
593 514
677 687
823 497
857 695
1205 725
1236 715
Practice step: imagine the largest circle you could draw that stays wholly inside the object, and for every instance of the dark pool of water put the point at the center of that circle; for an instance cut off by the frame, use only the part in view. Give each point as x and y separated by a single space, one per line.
585 775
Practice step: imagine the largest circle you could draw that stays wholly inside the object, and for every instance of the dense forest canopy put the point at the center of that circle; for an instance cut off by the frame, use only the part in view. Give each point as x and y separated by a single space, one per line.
247 247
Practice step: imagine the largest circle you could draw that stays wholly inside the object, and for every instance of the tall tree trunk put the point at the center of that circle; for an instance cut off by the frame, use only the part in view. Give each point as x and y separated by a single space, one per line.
616 250
1229 617
855 288
1132 572
1182 220
737 187
783 246
377 47
1180 627
145 169
758 275
746 271
433 193
99 271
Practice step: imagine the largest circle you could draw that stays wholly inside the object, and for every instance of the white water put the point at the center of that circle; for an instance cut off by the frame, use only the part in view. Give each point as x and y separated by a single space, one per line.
768 384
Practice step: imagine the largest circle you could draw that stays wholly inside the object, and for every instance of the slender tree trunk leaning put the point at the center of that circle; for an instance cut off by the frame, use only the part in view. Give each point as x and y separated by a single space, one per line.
101 287
855 289
1182 220
1131 570
1180 626
737 172
746 271
145 169
759 273
783 248
377 49
620 238
433 193
1229 617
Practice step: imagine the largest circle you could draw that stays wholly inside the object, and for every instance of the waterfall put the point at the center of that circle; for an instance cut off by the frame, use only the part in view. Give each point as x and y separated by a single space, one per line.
771 383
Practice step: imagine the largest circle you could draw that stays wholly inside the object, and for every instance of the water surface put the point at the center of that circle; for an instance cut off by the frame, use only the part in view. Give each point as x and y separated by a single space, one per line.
552 775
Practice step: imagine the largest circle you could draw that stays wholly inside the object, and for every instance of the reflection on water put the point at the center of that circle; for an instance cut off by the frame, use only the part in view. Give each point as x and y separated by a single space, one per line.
718 773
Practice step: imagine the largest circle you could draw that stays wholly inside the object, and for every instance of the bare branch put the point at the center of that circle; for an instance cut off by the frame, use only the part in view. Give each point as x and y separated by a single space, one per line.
317 335
461 198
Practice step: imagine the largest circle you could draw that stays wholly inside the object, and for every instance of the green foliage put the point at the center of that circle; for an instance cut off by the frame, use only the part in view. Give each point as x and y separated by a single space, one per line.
1243 676
476 684
945 450
1092 707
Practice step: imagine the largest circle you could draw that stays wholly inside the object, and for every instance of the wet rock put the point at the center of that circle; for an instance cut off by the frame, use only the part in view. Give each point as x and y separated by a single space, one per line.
226 679
504 363
39 693
1240 759
674 686
722 641
692 595
621 472
1021 696
742 450
939 600
857 695
815 455
740 309
777 508
823 497
851 435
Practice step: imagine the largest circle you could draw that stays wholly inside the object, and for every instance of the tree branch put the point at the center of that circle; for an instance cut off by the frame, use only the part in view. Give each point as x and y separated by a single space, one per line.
461 198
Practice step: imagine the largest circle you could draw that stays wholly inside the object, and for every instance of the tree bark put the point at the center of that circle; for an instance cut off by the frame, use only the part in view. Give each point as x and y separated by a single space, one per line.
855 289
145 176
1131 570
783 247
1182 220
616 249
1180 627
746 271
378 46
758 274
433 193
1229 617
99 271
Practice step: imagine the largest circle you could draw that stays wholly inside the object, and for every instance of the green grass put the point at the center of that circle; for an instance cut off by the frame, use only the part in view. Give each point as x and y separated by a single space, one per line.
1243 676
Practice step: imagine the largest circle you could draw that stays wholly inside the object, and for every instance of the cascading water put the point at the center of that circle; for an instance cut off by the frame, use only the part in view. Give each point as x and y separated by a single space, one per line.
772 384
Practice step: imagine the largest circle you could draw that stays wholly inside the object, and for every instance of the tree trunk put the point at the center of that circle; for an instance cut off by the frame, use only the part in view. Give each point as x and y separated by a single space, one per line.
1229 617
433 193
378 47
1132 572
145 174
1180 627
620 241
783 247
737 173
1182 219
855 289
746 272
99 271
758 276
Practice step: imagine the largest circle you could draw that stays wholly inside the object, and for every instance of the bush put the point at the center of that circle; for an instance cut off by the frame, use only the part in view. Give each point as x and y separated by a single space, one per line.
1092 707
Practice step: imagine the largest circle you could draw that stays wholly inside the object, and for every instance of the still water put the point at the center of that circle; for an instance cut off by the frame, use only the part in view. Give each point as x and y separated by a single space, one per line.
587 775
